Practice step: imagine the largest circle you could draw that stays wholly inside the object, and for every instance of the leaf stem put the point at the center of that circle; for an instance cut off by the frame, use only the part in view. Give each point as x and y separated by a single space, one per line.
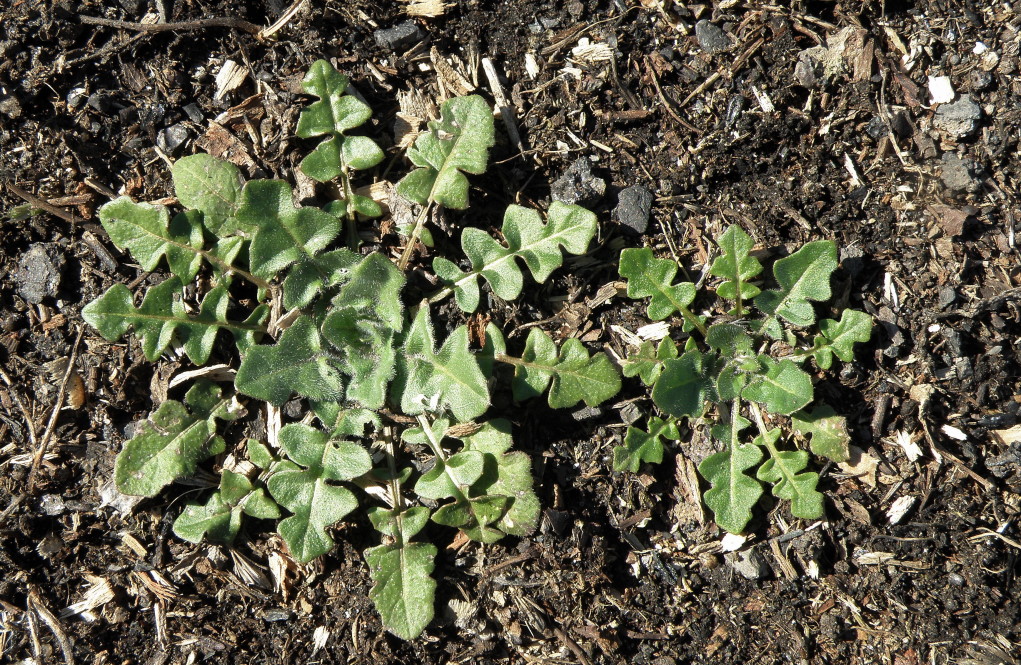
693 320
395 490
441 457
415 235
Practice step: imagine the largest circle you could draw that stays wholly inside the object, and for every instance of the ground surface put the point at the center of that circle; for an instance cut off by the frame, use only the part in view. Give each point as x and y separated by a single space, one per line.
720 127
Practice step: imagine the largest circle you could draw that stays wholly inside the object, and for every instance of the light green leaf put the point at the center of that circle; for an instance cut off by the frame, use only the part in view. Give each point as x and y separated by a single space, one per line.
828 431
685 384
799 488
284 234
640 446
651 277
145 230
647 363
571 374
310 276
407 523
729 339
527 238
403 592
297 363
219 519
782 389
458 141
451 478
342 421
450 378
209 185
802 276
736 267
335 112
173 441
733 493
837 338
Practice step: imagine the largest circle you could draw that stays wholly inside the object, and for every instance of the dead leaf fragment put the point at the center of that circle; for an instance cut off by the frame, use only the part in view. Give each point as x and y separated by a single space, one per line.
860 465
951 220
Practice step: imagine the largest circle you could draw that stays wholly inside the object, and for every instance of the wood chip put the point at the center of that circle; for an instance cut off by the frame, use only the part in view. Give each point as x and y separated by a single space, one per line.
229 78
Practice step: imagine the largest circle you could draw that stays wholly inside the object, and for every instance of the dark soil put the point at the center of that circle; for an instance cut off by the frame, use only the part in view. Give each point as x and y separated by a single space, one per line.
921 198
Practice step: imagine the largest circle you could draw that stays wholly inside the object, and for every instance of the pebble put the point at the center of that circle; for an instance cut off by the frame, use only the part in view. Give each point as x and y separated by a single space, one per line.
39 272
960 119
399 37
749 564
172 138
194 112
578 184
10 106
634 205
956 175
711 38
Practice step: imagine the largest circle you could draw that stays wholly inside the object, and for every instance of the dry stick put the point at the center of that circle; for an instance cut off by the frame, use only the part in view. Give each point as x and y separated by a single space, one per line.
36 604
180 26
45 441
666 103
29 421
37 202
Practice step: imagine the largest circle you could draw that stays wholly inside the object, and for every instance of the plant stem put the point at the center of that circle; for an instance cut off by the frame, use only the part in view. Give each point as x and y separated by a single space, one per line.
693 320
441 457
395 489
352 215
415 234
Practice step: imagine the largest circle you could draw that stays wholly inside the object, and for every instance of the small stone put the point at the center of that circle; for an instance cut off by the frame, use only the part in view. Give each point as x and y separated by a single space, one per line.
711 38
76 97
100 101
804 72
980 80
399 37
749 564
172 138
960 119
578 184
956 175
946 297
194 112
10 106
52 504
876 128
634 205
39 272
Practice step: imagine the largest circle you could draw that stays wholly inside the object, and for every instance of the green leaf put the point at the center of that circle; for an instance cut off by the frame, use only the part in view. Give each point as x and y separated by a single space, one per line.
310 276
407 523
449 378
342 421
837 338
648 276
647 363
403 592
802 276
736 267
284 234
729 339
210 185
527 238
145 230
296 364
219 519
173 441
335 112
314 502
733 493
685 384
828 431
783 389
571 374
642 446
449 479
458 141
799 488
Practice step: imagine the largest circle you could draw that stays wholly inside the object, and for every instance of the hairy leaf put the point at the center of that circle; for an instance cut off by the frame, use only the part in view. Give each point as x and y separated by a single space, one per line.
837 338
449 378
310 276
146 231
733 493
219 519
406 523
537 244
736 267
297 363
458 141
305 492
782 468
828 431
783 389
802 276
570 373
450 478
173 441
341 421
685 384
403 592
647 363
640 446
651 277
209 185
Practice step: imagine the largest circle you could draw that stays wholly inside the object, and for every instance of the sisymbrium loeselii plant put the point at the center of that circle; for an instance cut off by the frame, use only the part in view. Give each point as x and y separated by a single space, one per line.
743 370
396 419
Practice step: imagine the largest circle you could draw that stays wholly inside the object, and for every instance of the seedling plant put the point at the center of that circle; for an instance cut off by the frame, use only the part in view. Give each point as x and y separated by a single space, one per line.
742 369
396 421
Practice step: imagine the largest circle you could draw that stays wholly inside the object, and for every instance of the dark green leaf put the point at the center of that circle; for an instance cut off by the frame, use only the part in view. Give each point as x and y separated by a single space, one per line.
403 591
837 338
651 277
733 493
685 385
782 389
571 374
640 446
802 276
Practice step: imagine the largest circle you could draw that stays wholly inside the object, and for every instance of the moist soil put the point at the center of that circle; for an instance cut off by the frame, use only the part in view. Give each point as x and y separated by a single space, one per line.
889 127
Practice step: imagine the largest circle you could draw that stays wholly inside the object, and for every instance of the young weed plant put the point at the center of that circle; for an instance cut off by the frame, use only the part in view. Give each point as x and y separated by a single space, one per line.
327 323
743 370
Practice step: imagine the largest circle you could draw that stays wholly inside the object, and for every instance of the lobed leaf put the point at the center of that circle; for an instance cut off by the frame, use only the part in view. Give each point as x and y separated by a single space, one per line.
733 493
828 431
803 276
399 525
685 384
641 446
458 141
208 185
782 468
528 238
651 277
570 373
146 231
783 388
173 441
310 276
647 363
736 266
403 592
837 338
219 519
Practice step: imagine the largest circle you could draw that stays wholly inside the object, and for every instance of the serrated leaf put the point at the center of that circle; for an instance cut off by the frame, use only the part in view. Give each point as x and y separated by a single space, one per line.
305 492
733 493
283 234
528 238
335 112
458 141
391 523
297 363
647 363
828 431
209 185
803 276
736 267
450 378
641 446
145 230
570 373
310 276
173 441
783 469
403 592
783 388
648 276
837 338
685 384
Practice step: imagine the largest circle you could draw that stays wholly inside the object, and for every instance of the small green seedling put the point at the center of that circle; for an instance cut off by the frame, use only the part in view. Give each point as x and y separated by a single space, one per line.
368 367
746 363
